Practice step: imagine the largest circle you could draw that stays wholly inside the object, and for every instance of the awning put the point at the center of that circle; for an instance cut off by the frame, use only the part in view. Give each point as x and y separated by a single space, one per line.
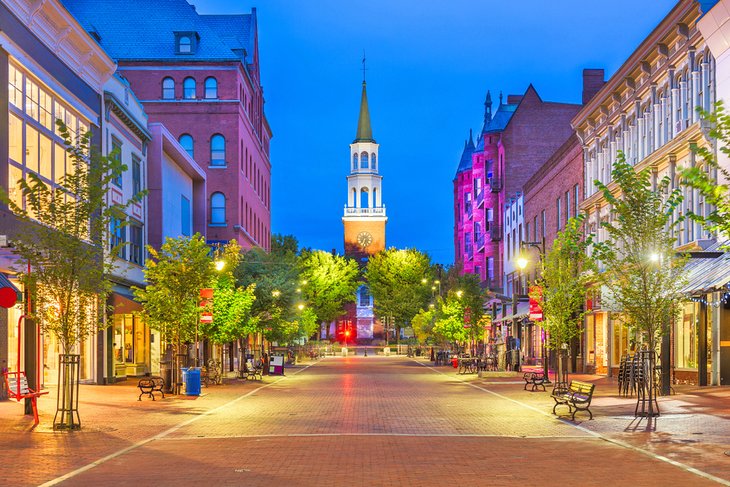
523 311
122 304
6 284
707 275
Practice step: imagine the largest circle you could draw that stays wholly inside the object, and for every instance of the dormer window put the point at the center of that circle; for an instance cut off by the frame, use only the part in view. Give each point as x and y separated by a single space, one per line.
186 42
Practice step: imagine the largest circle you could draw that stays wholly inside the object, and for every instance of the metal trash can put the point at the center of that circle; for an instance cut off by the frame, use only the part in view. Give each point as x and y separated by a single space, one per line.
191 378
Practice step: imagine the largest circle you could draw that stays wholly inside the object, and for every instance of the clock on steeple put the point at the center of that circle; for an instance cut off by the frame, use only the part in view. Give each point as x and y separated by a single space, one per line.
364 217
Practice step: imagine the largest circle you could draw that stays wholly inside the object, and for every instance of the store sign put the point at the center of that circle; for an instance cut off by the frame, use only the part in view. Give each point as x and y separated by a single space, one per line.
535 309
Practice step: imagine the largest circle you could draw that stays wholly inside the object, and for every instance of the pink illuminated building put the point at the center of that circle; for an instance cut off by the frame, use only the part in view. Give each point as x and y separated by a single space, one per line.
515 141
199 76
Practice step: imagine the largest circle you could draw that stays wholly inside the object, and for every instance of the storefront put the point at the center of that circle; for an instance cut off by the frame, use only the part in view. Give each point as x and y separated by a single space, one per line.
133 344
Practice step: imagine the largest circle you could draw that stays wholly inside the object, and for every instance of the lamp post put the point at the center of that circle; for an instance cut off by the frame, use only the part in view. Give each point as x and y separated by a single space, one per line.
522 262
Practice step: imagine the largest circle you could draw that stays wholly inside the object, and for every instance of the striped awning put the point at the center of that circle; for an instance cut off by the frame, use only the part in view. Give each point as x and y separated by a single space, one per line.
705 275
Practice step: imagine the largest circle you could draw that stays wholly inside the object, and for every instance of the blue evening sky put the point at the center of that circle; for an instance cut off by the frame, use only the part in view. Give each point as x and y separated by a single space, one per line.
429 67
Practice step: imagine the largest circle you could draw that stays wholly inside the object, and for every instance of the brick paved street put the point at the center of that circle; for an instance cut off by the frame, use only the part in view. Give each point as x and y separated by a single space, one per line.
369 421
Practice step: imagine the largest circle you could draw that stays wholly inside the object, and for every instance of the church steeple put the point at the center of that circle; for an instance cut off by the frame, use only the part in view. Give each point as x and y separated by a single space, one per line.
488 108
364 131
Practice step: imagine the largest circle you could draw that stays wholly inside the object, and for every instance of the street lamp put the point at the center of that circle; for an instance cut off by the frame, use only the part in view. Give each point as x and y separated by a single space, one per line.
522 262
219 265
459 294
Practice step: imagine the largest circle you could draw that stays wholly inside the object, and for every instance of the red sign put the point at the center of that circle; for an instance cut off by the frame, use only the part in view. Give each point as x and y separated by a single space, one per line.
206 298
535 309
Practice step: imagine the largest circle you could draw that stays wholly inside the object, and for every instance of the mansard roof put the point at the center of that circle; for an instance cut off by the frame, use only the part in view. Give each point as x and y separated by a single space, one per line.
140 30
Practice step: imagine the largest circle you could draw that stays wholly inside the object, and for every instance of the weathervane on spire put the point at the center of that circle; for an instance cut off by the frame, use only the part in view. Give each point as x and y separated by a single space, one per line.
363 65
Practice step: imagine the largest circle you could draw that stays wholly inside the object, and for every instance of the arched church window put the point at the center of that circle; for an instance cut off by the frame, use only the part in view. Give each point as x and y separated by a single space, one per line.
364 296
364 160
364 203
375 197
354 197
354 162
374 160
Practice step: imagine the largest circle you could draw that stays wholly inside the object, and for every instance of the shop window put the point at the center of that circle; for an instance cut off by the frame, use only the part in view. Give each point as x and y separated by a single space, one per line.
686 338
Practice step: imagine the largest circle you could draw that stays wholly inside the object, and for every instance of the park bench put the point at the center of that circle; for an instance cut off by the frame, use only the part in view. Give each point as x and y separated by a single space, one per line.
149 385
536 379
16 383
577 397
252 372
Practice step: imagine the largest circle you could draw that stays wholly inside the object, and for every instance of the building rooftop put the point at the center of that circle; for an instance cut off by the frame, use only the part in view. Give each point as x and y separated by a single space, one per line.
465 163
140 30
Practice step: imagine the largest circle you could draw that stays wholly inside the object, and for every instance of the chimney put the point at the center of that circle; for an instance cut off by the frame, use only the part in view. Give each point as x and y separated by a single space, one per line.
514 99
592 82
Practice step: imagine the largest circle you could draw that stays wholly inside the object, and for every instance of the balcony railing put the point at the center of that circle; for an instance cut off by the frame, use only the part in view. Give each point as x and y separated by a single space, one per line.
350 211
495 185
495 233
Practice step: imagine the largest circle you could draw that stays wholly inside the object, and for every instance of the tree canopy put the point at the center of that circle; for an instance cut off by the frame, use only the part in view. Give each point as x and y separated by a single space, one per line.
327 283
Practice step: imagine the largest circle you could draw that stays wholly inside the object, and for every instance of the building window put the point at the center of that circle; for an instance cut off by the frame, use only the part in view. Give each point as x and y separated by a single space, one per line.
116 230
374 161
217 150
187 143
211 88
136 175
186 42
559 213
185 216
136 244
117 156
576 198
189 89
217 209
364 296
168 89
364 160
567 206
543 223
354 162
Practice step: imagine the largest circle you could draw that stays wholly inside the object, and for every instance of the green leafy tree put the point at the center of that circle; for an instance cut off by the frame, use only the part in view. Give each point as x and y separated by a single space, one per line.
232 305
642 273
471 296
567 272
328 283
423 324
450 319
395 279
276 278
64 239
713 180
175 274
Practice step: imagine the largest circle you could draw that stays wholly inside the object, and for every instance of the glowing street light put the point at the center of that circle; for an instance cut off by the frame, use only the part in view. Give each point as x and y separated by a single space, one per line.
219 265
459 293
300 306
276 293
522 262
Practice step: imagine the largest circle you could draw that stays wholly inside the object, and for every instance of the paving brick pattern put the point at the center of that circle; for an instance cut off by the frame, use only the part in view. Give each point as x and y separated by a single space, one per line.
367 421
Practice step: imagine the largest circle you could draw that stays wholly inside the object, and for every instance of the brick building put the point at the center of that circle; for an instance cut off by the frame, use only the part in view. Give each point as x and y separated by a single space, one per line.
513 144
648 111
199 76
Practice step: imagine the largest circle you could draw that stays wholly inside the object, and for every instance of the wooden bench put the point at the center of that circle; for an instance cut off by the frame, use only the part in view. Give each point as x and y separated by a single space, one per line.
150 385
252 372
577 397
16 384
536 379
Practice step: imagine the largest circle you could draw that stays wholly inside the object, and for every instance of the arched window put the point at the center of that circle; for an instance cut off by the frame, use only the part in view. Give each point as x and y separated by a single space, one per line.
186 141
687 98
211 87
364 160
354 197
217 150
364 296
375 197
189 89
185 44
217 209
364 203
374 161
168 89
354 162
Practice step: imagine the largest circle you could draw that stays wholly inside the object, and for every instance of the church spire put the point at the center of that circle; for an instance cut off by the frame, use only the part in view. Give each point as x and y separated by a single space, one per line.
364 131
